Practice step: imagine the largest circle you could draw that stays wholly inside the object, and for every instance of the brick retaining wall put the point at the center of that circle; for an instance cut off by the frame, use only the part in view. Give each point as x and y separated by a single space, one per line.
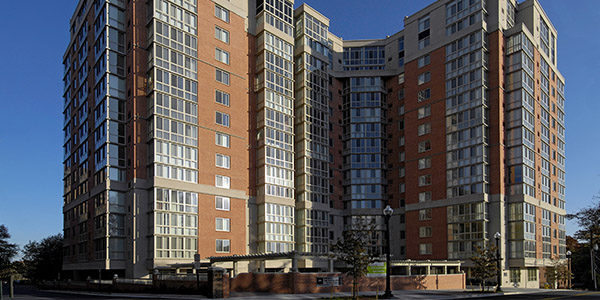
306 283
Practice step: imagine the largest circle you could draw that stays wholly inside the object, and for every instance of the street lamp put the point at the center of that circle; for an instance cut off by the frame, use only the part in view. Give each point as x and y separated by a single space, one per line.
387 212
592 257
197 267
569 253
498 259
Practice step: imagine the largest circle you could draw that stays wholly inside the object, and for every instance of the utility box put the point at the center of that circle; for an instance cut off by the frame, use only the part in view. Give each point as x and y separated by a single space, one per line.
215 282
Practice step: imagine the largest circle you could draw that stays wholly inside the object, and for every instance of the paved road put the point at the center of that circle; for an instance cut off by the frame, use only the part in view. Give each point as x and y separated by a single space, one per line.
552 295
28 292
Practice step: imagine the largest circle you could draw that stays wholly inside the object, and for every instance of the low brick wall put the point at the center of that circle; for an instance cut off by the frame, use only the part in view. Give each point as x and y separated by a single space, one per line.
306 283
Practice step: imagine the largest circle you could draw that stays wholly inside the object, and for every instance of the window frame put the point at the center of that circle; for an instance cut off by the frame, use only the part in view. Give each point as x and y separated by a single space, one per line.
424 78
223 206
225 181
225 246
220 11
222 34
226 159
222 76
218 138
225 224
222 119
222 55
423 60
223 95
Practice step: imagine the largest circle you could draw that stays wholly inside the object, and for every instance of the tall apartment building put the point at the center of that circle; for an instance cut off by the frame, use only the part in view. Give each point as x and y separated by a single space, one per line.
241 127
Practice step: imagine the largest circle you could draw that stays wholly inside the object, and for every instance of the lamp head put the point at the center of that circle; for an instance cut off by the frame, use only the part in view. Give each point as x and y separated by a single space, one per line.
497 235
569 253
388 211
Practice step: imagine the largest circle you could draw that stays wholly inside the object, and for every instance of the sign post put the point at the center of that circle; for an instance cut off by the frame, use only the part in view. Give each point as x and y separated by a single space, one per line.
330 281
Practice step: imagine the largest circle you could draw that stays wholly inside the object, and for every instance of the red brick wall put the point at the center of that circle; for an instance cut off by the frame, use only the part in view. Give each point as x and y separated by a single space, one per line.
437 137
306 283
241 172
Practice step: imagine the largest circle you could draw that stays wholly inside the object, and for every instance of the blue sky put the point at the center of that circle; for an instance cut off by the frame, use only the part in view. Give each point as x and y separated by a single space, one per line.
35 34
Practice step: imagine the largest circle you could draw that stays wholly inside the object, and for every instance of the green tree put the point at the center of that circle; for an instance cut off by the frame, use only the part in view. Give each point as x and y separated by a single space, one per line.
587 219
7 252
43 260
353 250
558 272
589 233
485 264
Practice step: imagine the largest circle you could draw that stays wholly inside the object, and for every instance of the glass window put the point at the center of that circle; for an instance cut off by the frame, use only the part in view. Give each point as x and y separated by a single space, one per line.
222 224
222 139
222 97
424 112
424 42
222 203
531 274
425 231
223 246
222 118
425 249
424 23
425 180
424 78
222 76
424 60
424 129
222 181
222 161
222 13
222 34
424 196
222 55
425 214
424 163
424 146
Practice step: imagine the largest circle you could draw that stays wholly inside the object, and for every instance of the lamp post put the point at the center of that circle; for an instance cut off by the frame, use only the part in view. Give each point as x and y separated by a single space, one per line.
197 267
592 257
498 259
387 212
569 253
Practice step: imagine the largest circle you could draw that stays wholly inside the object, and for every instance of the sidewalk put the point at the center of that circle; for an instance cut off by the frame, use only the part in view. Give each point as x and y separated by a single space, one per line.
399 294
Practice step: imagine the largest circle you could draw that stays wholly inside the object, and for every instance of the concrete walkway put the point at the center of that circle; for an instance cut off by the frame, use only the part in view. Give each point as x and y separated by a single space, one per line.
400 294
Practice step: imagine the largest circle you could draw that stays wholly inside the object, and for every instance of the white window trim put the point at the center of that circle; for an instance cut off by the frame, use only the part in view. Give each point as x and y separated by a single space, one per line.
223 201
225 222
226 158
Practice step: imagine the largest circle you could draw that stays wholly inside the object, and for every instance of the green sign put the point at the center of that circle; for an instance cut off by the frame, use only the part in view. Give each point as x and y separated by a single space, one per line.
376 269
